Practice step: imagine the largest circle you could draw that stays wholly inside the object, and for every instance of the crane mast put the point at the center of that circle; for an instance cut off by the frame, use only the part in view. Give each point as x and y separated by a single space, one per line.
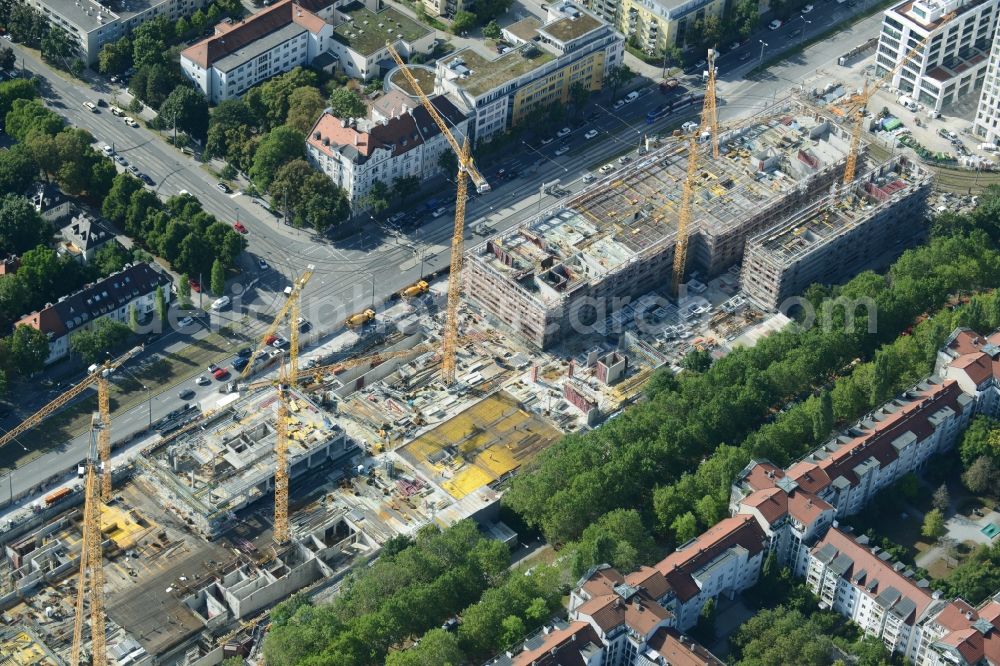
91 560
466 170
709 115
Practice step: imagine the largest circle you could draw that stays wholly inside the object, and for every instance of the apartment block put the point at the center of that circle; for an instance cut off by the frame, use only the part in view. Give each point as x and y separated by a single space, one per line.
987 123
563 271
953 63
572 47
93 24
973 361
839 235
356 152
110 298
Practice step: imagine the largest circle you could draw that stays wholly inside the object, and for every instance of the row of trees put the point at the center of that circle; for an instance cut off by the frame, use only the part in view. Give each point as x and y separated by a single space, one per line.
179 230
27 26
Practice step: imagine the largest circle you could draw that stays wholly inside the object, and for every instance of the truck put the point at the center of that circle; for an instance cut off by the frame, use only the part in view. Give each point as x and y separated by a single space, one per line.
360 319
57 495
417 289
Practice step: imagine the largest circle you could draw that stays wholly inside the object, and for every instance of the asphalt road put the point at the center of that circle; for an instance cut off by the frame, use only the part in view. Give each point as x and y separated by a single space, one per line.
353 273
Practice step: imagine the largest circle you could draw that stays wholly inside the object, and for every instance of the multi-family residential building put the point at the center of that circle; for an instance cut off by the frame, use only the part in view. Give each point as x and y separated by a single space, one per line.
111 298
953 61
356 152
294 33
973 360
860 582
572 47
987 123
92 24
240 55
83 237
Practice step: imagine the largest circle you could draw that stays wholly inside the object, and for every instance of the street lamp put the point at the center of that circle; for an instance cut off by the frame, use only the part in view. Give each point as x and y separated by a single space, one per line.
763 44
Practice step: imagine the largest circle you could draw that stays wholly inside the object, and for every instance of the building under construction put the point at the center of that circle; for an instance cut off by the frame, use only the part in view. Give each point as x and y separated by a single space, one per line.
615 240
230 462
840 235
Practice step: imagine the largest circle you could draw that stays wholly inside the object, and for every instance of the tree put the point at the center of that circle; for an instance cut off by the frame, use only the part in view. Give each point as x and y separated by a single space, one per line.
377 198
697 360
28 349
270 102
672 55
281 145
7 58
17 169
981 476
462 22
345 103
110 258
617 77
182 28
161 303
745 16
116 203
21 228
579 95
941 499
27 25
218 278
188 108
685 528
133 318
14 299
184 291
513 630
618 538
823 416
448 163
14 90
147 49
57 48
492 30
933 526
93 345
882 379
28 116
405 187
305 105
705 630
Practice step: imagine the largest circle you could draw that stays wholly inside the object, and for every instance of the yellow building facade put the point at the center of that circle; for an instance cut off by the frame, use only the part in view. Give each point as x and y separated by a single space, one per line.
555 87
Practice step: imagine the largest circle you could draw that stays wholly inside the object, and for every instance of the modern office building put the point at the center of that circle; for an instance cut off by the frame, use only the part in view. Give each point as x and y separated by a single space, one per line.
987 123
952 63
356 152
92 24
839 235
572 47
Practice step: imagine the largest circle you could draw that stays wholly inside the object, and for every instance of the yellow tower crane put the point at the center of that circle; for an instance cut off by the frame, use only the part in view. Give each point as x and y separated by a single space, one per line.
466 169
708 119
857 108
286 380
99 377
91 558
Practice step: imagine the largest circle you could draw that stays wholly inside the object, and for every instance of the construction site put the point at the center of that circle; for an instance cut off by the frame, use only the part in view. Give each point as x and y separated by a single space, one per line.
422 413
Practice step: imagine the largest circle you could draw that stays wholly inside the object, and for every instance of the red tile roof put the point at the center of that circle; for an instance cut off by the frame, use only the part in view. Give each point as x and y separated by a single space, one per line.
229 38
875 571
649 579
668 644
959 618
609 609
561 647
679 566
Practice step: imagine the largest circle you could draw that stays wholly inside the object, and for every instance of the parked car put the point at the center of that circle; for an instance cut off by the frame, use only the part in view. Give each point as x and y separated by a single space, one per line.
631 97
562 150
441 210
565 131
134 170
303 324
185 322
807 9
246 352
131 121
547 140
279 342
240 227
775 24
220 374
108 150
186 394
607 168
590 134
221 303
619 104
223 188
195 286
261 264
146 179
91 107
240 363
202 380
121 160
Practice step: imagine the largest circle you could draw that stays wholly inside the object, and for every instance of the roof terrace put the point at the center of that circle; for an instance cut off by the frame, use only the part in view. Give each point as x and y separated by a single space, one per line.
366 32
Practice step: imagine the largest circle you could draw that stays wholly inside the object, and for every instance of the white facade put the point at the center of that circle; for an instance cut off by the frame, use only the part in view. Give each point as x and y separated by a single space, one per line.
241 55
355 153
987 123
952 64
93 25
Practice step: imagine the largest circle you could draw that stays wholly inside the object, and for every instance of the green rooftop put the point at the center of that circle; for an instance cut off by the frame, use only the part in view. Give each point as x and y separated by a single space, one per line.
488 74
367 32
568 29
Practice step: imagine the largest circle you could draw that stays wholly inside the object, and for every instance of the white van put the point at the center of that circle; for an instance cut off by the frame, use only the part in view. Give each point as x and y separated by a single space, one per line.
631 97
989 147
221 303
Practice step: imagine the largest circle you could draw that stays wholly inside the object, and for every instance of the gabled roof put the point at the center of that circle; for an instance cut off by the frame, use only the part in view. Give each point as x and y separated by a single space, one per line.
563 647
680 650
229 38
96 300
879 580
614 603
679 567
85 232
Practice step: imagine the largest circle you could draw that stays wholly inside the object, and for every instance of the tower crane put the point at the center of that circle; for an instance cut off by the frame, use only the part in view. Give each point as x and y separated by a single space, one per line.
286 380
91 557
708 118
99 377
466 169
857 108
